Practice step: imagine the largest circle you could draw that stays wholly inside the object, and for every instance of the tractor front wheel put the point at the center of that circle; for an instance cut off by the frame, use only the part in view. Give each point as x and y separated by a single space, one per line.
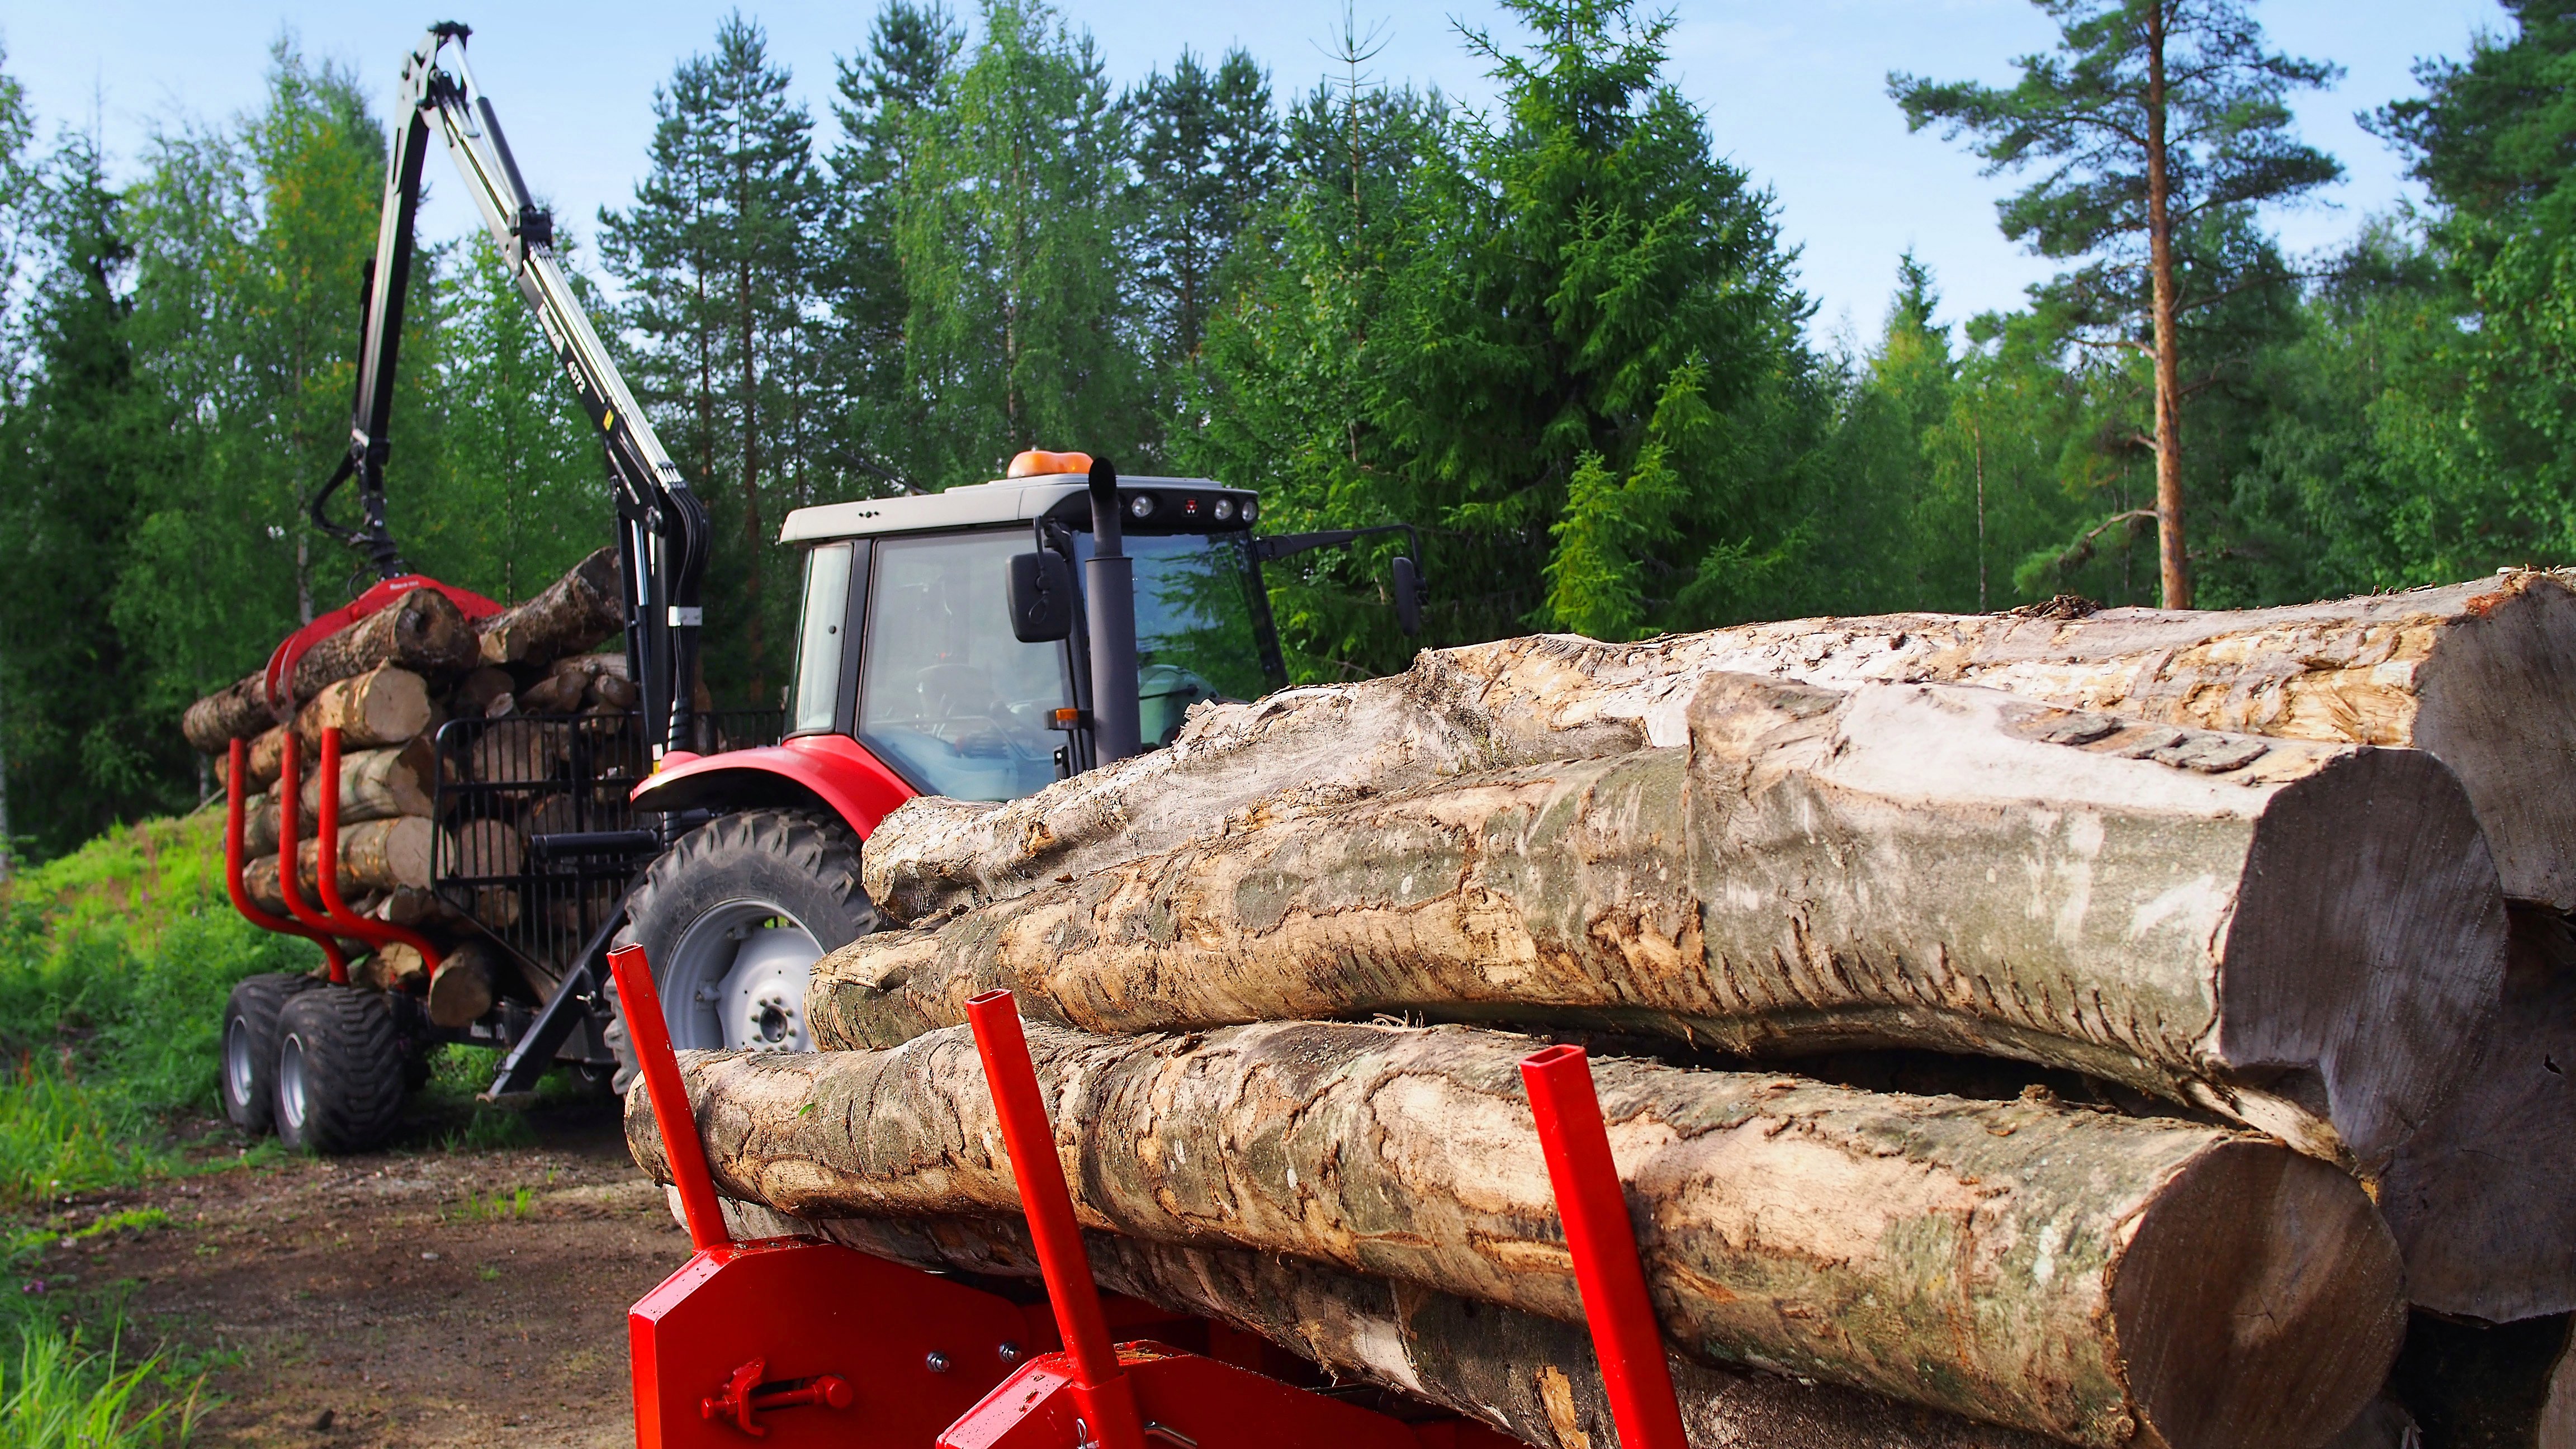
732 920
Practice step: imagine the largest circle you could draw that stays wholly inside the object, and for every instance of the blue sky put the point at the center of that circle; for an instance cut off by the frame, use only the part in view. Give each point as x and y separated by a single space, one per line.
1795 93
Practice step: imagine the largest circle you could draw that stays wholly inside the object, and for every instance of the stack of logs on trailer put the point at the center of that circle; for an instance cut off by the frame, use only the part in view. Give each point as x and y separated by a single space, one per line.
388 682
2109 1028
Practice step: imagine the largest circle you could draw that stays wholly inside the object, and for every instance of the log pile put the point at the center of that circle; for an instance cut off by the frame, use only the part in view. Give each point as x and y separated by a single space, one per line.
387 683
2107 1028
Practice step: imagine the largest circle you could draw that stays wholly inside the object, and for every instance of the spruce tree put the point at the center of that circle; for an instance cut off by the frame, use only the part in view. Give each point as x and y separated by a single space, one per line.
84 752
722 252
1207 147
2151 116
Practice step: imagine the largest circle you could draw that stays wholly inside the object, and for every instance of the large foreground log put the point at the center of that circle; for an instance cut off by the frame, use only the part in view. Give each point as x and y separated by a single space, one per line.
2479 1196
2073 1273
570 615
1531 1377
2482 674
2307 937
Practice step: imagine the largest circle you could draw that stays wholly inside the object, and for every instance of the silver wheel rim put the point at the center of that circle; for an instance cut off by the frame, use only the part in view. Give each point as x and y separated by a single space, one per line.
239 1069
737 978
290 1084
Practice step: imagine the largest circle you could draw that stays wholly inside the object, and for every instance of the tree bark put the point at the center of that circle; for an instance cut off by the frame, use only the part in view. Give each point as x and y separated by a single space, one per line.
384 706
2073 1273
422 631
379 855
259 824
572 614
517 755
2477 673
2306 937
235 712
2478 1196
376 784
1532 1377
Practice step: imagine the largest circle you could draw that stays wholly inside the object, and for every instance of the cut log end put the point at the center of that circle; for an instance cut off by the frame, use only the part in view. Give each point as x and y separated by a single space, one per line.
2231 1334
2361 874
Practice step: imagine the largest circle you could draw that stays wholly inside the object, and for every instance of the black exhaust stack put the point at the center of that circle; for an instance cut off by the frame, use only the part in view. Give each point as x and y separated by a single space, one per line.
1109 601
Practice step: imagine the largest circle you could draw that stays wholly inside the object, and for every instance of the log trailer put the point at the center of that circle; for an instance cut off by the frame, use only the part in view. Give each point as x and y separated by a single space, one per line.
979 643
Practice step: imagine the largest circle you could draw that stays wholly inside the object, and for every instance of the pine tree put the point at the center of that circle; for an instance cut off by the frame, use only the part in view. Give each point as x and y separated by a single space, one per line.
722 252
2152 115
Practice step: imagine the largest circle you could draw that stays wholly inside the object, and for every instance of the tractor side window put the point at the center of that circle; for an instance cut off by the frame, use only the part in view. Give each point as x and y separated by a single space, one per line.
1195 633
948 697
819 645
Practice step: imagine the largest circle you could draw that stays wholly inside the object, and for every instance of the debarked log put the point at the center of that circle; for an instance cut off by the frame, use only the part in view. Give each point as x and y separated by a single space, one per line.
2482 674
2306 937
1532 1377
2073 1273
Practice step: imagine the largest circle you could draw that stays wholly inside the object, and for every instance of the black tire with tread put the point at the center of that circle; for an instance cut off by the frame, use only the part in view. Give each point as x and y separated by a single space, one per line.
253 1007
806 862
353 1069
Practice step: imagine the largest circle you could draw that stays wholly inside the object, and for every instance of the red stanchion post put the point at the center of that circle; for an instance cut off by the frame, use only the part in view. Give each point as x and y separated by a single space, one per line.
1604 1244
650 1035
1101 1388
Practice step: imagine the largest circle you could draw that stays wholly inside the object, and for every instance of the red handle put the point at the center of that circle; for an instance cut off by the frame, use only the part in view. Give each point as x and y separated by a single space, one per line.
1604 1244
290 804
236 762
1100 1385
650 1035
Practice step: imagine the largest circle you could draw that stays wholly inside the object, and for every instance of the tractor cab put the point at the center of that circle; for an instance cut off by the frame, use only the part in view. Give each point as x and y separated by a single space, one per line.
945 649
909 643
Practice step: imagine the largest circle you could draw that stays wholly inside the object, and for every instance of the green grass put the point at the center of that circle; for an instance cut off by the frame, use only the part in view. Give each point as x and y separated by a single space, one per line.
114 964
64 1395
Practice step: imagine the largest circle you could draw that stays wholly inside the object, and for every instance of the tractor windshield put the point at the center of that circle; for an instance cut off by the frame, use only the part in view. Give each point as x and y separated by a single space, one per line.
1198 630
948 696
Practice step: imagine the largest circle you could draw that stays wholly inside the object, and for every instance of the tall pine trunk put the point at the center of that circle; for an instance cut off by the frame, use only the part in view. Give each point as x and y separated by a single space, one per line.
2174 566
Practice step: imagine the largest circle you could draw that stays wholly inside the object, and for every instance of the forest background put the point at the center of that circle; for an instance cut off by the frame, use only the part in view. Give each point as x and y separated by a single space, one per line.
1561 334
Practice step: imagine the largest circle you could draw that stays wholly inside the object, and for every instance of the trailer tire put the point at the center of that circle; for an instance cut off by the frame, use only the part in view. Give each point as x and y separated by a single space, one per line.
339 1071
246 1076
792 877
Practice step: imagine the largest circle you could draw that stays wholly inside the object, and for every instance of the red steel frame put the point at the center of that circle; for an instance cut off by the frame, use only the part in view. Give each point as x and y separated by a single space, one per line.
869 1318
236 763
327 871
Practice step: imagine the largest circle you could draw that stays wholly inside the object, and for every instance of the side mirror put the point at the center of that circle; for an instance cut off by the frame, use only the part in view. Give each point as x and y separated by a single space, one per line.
1408 596
1041 596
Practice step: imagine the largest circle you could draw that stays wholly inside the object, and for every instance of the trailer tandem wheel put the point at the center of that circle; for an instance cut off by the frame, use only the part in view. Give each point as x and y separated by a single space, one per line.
339 1070
248 1081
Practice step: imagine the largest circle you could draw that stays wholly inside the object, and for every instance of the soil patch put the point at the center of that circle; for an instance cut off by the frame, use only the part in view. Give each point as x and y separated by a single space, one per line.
414 1298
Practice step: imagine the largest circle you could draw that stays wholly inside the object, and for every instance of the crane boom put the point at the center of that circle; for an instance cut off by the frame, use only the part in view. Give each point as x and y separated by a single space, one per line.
662 525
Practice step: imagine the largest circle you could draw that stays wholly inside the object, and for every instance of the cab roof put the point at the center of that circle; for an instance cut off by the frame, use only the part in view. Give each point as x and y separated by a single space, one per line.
1002 501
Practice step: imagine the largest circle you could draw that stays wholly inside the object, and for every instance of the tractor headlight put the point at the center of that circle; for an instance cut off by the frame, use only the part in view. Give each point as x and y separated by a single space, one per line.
1224 509
1142 505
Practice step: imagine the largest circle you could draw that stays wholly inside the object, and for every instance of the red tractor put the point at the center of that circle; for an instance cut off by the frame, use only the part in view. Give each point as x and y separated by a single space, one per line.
979 643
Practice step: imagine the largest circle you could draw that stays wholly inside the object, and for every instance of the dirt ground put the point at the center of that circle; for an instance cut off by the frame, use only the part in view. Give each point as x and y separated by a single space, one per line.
420 1297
